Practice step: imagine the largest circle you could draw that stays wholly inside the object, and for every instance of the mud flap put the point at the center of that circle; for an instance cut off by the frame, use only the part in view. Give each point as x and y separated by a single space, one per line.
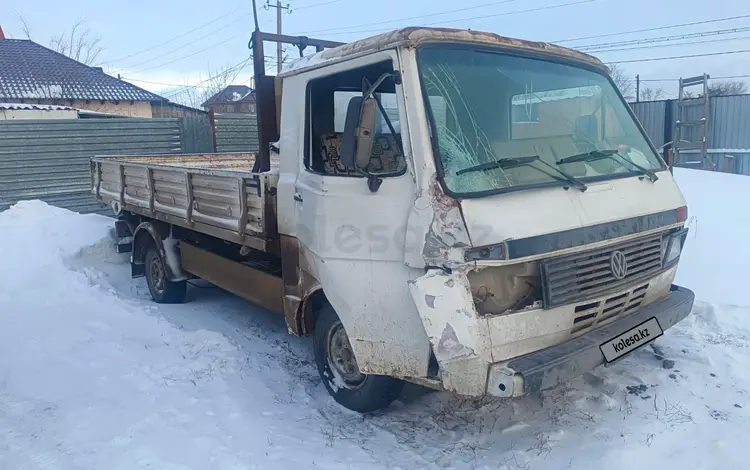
161 234
460 339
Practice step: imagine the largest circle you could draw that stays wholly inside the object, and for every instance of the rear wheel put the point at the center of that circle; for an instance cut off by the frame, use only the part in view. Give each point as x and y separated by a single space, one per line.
162 290
338 368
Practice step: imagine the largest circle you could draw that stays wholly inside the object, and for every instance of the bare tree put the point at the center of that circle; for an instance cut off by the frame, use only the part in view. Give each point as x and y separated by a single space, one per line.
731 87
25 28
79 42
194 96
652 94
623 81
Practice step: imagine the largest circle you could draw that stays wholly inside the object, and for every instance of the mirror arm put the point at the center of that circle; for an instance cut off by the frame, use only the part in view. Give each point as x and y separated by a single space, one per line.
389 123
374 182
370 89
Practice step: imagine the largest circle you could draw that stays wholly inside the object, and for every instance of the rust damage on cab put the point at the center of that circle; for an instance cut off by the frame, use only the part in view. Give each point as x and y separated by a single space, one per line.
446 237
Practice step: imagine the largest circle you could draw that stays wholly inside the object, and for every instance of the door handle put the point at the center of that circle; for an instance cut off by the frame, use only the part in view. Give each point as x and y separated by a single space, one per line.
298 197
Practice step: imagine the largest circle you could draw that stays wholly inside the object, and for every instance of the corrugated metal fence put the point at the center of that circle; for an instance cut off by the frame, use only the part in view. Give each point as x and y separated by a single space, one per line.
728 129
195 134
236 132
49 160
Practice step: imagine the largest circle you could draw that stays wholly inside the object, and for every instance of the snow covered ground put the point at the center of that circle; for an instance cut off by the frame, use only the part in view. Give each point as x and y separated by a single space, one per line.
93 375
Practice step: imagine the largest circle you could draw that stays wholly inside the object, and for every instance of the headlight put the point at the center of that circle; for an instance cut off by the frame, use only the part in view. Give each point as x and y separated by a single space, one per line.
675 242
504 289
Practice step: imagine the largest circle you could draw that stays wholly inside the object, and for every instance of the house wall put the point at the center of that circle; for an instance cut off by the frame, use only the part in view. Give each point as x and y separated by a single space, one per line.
13 114
122 108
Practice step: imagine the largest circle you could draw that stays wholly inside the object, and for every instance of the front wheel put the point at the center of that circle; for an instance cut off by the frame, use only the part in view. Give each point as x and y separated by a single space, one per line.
338 368
162 290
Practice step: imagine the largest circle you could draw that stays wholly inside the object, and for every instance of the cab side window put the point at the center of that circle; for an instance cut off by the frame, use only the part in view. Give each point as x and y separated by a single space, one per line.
328 99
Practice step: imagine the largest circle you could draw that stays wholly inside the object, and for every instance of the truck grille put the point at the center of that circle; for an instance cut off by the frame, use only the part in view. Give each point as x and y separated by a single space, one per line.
592 314
586 275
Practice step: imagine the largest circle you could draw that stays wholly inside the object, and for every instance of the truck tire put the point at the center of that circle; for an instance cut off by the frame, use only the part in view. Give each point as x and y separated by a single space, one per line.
338 368
162 290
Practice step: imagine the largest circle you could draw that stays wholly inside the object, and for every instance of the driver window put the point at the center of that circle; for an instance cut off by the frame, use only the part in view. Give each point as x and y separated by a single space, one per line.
328 99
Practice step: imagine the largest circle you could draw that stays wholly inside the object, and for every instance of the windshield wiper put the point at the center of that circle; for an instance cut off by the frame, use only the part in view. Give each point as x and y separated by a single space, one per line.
512 162
611 154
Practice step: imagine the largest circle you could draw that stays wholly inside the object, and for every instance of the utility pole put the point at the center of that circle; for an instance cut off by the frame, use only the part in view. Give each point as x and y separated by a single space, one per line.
637 88
278 7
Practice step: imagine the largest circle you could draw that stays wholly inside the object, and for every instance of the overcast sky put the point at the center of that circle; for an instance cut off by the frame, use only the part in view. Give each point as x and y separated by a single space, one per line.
147 40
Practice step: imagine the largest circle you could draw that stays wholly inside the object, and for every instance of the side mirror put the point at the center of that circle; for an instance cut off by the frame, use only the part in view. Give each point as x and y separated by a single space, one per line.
359 132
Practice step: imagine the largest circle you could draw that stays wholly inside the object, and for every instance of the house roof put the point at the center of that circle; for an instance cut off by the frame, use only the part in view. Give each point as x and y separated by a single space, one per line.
31 71
414 36
35 107
231 94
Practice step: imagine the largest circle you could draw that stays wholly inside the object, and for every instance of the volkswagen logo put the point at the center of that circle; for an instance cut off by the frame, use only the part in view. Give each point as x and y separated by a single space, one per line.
618 264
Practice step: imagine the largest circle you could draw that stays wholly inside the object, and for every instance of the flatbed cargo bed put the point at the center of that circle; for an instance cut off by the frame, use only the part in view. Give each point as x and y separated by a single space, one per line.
216 194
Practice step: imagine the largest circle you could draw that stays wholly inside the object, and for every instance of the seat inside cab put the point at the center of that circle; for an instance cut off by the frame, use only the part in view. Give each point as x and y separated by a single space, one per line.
328 99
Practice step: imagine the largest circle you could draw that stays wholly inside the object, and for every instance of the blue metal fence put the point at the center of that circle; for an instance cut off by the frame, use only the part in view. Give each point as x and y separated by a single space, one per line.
728 130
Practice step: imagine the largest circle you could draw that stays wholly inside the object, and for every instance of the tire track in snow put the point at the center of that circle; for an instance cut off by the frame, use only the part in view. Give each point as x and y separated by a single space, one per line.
21 436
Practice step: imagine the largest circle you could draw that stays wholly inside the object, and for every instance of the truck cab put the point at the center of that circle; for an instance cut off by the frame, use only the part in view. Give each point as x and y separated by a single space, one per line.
501 182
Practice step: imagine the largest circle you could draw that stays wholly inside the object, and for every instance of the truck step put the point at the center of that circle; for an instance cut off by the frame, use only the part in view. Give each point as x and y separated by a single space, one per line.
124 247
122 229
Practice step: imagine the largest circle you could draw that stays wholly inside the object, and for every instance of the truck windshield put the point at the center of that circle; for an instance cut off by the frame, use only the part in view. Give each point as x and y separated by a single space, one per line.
487 105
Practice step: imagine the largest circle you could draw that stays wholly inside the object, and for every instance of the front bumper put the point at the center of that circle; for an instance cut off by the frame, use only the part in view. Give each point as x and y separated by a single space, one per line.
550 367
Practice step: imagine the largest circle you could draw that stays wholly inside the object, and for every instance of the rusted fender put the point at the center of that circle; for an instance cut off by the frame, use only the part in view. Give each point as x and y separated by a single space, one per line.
160 235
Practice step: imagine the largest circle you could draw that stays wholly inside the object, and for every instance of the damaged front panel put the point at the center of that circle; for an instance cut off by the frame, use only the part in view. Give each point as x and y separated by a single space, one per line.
441 236
459 339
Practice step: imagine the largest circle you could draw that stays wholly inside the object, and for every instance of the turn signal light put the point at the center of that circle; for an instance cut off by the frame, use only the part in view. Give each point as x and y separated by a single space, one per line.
682 214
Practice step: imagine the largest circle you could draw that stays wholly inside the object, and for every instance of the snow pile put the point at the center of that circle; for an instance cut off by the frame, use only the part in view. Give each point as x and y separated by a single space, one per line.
716 262
93 375
89 379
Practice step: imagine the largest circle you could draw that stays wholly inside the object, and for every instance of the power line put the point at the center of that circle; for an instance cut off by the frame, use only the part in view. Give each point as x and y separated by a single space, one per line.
663 38
176 85
174 38
729 77
315 5
356 26
239 65
409 18
269 61
169 52
689 56
658 28
548 7
191 54
669 45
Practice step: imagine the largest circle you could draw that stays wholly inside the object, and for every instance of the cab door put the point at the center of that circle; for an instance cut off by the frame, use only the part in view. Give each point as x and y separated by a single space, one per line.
351 237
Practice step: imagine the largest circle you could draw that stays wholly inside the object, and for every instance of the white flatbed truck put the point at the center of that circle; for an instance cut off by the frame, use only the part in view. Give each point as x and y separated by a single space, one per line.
469 212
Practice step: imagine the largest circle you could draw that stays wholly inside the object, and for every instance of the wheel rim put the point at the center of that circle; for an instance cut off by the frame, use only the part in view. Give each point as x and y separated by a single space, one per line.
156 270
341 358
